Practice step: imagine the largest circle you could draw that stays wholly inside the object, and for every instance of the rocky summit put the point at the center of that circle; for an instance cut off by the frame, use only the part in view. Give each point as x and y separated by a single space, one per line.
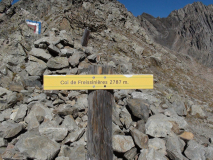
174 121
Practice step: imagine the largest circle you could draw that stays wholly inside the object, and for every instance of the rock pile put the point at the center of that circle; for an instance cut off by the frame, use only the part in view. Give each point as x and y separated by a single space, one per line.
173 121
39 124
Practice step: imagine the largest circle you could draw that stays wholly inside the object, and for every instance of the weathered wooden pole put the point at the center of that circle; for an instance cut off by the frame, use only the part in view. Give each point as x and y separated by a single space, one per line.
85 37
99 128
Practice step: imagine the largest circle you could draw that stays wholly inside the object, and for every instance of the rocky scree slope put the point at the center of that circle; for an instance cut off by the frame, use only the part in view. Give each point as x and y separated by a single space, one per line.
187 30
165 123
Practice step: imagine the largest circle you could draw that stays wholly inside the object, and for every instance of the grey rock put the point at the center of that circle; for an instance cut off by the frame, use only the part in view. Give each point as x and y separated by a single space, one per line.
5 4
32 81
65 109
36 112
35 146
158 144
52 130
209 152
35 69
125 118
73 94
75 59
37 97
83 67
140 139
4 91
121 94
9 101
115 114
62 158
92 57
129 155
33 123
68 51
179 108
69 123
122 143
47 40
173 117
6 113
40 53
156 60
53 50
195 151
144 96
77 152
140 125
151 154
116 130
82 102
3 70
9 129
139 108
197 110
57 62
3 142
158 126
74 136
175 147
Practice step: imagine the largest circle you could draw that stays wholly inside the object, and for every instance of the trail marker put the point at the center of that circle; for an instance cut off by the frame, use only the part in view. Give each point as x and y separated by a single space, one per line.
100 83
94 82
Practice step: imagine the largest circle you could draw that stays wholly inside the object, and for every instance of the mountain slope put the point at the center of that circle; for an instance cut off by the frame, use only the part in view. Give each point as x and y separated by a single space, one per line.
38 124
187 30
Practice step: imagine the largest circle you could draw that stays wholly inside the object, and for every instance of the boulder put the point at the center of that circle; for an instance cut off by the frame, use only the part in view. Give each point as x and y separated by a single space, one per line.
21 113
36 146
140 139
156 59
57 63
139 108
82 102
151 154
195 151
53 50
125 118
122 143
175 146
65 109
74 136
35 69
62 158
129 155
76 153
140 125
52 130
75 59
40 53
36 112
9 129
197 110
69 123
158 145
3 142
47 40
158 126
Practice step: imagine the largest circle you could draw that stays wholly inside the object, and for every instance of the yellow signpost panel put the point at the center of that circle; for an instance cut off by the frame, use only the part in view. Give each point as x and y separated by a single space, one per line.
94 82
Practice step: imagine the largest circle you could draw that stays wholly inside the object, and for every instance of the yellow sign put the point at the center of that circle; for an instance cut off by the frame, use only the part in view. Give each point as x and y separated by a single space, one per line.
93 82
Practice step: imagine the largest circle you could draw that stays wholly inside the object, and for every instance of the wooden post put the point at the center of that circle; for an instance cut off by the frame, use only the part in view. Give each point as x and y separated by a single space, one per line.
99 128
85 37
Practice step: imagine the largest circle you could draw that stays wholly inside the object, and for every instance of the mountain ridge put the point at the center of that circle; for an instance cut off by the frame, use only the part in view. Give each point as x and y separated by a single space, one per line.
186 30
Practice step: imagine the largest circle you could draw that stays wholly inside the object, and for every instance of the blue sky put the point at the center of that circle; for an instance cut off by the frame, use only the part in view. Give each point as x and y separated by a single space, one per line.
156 8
